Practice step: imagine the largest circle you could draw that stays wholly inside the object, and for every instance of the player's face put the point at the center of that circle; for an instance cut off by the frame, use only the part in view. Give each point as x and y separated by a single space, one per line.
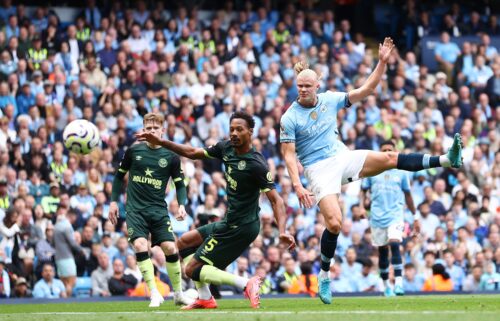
239 133
307 87
387 148
154 127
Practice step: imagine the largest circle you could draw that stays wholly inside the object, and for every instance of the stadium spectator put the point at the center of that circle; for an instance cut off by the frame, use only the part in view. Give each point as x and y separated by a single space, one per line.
439 281
49 287
101 276
120 283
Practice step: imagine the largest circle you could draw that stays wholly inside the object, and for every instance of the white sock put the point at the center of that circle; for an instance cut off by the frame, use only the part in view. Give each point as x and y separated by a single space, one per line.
204 292
444 161
399 281
387 284
240 282
324 274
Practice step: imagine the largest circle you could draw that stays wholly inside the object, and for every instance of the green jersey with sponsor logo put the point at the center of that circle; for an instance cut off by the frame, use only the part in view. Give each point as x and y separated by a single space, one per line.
149 171
247 176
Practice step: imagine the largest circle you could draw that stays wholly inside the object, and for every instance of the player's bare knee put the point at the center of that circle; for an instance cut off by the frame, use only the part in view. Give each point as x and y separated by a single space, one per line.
140 245
333 226
169 248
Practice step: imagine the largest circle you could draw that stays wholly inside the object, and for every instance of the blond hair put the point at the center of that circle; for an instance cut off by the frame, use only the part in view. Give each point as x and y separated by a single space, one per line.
302 67
154 117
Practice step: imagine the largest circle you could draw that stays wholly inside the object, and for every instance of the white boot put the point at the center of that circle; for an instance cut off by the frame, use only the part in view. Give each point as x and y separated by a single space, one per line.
156 299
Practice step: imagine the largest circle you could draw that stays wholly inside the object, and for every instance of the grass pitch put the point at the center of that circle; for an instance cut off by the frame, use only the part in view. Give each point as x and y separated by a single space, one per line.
408 308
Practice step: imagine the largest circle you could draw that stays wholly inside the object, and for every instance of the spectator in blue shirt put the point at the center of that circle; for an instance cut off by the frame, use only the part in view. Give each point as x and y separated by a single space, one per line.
412 282
49 287
446 53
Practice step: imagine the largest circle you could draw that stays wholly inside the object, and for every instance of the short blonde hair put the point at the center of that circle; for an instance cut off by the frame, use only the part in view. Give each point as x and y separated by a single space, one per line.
154 117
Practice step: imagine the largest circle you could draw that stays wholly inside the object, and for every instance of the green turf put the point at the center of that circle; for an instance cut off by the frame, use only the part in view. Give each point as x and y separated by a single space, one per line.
409 308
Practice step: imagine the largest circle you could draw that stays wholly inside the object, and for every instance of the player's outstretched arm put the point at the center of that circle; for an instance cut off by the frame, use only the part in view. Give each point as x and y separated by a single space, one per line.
288 152
183 150
280 217
384 52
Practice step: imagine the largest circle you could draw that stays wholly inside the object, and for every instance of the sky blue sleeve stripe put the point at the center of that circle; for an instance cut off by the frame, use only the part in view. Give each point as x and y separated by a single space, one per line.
426 160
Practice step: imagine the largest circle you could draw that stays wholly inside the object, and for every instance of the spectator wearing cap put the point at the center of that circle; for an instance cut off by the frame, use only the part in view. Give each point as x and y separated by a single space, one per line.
37 83
37 54
21 289
65 246
50 203
107 246
49 287
83 201
25 99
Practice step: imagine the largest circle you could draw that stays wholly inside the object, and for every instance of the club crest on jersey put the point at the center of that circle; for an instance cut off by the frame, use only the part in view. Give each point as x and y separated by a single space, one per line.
138 157
130 231
162 162
241 165
269 177
314 115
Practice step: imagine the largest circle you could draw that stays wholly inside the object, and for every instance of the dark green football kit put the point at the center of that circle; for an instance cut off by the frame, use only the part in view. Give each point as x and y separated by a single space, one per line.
247 176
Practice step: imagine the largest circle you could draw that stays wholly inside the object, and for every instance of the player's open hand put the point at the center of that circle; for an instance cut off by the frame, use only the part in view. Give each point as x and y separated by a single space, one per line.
305 197
181 213
151 138
385 50
288 240
113 213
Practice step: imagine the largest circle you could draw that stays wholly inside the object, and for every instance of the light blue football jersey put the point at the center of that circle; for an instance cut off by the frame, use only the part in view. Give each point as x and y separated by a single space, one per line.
387 196
314 130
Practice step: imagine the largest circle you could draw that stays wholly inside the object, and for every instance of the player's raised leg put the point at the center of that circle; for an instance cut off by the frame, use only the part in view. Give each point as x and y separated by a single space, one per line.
329 207
378 162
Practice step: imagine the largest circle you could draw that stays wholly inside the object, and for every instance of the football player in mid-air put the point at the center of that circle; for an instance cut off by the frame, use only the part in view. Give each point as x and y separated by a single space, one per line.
309 132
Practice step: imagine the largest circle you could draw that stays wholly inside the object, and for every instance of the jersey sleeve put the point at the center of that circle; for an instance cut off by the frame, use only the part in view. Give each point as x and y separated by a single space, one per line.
366 184
126 161
339 99
287 129
264 178
215 151
405 182
176 170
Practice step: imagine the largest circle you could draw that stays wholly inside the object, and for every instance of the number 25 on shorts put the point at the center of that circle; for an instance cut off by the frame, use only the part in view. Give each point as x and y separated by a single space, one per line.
211 244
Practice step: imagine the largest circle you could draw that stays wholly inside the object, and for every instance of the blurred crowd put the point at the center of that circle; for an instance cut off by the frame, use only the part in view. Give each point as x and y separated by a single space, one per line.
113 64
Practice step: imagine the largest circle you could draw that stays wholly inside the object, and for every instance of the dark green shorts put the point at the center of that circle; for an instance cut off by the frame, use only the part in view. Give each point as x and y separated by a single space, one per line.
155 222
223 244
